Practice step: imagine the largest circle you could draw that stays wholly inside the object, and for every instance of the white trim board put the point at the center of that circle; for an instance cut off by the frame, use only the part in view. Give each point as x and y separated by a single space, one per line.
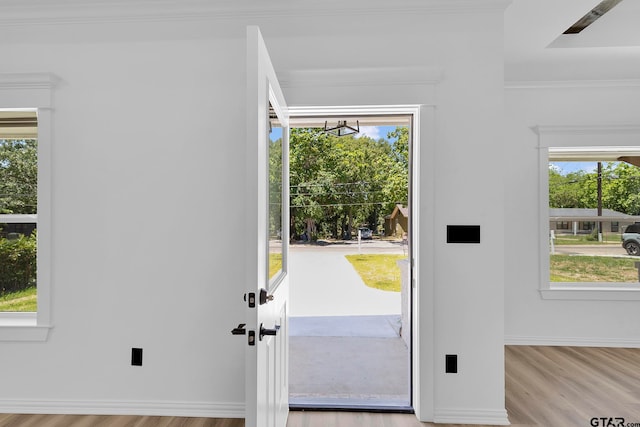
471 416
588 137
114 407
571 84
34 91
571 341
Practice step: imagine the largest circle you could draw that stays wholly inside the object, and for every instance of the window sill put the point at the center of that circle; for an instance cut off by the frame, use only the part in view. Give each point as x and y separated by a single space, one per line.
22 327
593 291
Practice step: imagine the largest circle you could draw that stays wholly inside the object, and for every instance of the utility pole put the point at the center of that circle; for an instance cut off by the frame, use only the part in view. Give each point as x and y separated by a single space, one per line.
599 201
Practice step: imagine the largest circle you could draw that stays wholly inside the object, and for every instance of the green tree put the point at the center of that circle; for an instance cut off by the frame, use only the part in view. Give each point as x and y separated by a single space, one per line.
275 188
18 176
573 190
343 182
310 177
396 189
621 187
17 263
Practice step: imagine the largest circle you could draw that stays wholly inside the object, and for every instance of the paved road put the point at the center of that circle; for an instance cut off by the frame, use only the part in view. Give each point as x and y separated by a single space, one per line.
593 250
351 246
324 283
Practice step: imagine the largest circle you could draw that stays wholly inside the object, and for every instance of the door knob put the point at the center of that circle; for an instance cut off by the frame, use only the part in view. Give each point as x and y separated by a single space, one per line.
264 331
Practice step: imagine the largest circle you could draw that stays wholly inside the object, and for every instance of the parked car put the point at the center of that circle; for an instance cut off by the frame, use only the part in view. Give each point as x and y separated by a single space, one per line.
366 233
631 239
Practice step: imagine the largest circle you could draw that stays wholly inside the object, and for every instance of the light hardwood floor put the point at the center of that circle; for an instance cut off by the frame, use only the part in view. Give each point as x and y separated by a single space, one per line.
545 386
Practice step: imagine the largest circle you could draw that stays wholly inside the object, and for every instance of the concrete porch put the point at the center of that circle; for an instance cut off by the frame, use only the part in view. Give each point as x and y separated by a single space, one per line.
347 361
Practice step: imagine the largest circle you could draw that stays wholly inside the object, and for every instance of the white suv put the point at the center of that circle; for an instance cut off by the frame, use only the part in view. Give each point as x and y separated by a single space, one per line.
631 239
366 233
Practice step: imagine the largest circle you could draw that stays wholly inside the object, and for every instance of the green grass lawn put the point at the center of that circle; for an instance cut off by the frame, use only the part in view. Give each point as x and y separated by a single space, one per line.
570 268
25 300
275 263
378 271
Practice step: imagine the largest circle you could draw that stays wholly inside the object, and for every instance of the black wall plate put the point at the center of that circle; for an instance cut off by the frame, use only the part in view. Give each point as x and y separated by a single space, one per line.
463 234
136 357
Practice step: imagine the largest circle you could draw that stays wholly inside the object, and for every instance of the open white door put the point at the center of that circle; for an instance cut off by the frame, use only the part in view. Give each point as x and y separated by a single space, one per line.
267 281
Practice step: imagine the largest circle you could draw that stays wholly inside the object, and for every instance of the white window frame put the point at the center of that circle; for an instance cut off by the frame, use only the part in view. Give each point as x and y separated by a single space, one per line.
610 137
34 91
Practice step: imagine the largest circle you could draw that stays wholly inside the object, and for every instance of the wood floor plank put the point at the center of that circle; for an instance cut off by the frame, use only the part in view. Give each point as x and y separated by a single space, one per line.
570 385
545 386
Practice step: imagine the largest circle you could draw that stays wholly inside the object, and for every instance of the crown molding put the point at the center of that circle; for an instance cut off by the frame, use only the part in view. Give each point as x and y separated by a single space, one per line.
33 12
572 84
27 90
627 129
28 81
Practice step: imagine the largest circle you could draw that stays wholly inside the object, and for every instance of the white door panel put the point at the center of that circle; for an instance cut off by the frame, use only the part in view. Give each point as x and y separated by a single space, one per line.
267 211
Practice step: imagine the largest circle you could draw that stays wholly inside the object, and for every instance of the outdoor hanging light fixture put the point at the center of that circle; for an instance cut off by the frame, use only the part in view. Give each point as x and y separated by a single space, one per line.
343 128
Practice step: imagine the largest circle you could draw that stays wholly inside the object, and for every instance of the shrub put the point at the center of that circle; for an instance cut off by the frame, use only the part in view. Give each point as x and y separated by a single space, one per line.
17 263
593 236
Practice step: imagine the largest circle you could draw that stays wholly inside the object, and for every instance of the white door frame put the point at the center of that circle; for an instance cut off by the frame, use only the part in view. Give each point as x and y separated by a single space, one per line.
421 195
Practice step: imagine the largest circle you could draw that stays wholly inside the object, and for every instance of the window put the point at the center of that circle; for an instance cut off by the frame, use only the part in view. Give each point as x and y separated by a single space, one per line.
587 225
615 226
18 211
25 155
584 144
604 191
562 225
633 228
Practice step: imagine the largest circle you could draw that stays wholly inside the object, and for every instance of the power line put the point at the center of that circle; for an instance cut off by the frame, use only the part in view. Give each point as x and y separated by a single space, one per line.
333 184
345 204
336 194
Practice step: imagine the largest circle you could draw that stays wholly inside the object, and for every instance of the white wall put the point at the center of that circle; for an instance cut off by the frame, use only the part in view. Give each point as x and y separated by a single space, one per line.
529 318
148 186
145 248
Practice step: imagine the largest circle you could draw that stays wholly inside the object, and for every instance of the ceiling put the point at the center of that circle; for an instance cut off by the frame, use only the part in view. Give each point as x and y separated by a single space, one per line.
537 49
534 44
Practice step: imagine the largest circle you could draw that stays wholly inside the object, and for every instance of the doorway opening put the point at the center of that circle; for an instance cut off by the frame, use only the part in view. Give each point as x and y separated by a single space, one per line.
349 262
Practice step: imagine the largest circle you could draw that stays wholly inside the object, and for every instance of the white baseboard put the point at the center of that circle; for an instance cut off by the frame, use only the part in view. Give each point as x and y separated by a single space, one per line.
571 341
471 416
111 407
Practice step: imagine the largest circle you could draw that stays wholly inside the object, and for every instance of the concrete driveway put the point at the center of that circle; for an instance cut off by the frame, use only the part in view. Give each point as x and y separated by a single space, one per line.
344 345
324 283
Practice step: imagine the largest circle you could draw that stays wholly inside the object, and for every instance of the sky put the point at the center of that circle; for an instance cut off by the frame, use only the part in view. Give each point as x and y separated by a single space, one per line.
376 132
568 167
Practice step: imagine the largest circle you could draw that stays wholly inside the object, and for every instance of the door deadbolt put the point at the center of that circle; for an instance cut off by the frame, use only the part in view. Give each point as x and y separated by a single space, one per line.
265 297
